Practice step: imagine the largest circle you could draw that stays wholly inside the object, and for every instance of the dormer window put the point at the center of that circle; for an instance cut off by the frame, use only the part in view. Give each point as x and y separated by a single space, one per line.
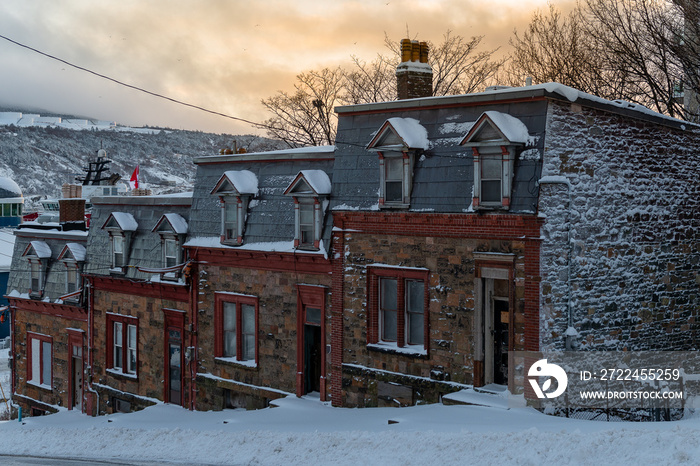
396 143
38 254
235 188
72 256
494 139
172 229
120 227
310 191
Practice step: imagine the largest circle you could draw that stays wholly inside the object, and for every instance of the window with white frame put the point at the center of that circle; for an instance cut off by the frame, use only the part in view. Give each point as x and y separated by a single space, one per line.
235 188
39 359
397 313
309 190
122 344
118 248
171 252
71 277
230 220
236 327
37 278
396 170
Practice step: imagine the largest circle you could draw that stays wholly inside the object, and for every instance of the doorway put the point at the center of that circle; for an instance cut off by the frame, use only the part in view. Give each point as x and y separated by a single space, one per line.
174 373
312 357
77 376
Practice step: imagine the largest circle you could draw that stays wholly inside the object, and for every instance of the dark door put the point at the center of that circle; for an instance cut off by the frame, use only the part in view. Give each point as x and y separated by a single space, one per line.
77 376
501 320
174 366
312 358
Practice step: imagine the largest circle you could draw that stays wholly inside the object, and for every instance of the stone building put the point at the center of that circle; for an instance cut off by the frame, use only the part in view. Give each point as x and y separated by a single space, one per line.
436 238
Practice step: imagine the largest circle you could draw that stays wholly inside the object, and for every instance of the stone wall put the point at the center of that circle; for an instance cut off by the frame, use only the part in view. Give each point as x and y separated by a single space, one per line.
621 249
277 369
448 254
29 395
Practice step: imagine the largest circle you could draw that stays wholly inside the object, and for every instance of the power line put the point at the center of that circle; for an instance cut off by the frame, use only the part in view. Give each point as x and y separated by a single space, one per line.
155 94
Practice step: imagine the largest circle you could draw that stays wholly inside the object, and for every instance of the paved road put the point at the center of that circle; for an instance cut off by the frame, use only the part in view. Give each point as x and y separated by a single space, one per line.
11 460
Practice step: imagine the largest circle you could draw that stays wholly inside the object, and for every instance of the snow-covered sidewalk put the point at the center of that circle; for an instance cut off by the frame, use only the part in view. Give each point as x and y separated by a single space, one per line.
306 431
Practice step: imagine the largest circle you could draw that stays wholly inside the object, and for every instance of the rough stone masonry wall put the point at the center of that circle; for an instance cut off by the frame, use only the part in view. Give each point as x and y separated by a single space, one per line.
632 214
277 333
45 324
449 363
149 383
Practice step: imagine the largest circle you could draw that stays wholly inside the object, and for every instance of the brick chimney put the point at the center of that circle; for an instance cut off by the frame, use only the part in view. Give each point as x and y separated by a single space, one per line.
414 76
71 214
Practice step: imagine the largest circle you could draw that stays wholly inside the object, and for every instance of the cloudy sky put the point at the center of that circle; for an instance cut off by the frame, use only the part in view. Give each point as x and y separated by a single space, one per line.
224 55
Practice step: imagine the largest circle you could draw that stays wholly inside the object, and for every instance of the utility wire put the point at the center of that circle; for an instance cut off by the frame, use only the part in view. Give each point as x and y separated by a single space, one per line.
260 125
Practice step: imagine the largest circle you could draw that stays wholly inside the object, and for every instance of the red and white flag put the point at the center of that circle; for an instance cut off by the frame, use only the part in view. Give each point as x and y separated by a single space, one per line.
134 181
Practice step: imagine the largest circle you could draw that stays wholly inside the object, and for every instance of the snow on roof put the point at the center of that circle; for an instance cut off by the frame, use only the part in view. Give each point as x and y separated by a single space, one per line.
178 223
318 180
9 185
78 251
411 131
244 181
512 128
125 220
42 250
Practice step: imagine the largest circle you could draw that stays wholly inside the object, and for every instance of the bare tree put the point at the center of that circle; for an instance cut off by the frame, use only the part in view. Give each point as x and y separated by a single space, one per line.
306 117
643 51
370 82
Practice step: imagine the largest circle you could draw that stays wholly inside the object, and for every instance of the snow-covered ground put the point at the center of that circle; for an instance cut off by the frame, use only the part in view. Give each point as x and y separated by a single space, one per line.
306 431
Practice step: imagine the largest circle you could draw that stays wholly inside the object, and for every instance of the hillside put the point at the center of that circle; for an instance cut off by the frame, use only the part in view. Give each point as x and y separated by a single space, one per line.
41 159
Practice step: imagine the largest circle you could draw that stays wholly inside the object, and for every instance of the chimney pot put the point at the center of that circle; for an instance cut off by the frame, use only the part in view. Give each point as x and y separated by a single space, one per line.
405 50
414 76
415 51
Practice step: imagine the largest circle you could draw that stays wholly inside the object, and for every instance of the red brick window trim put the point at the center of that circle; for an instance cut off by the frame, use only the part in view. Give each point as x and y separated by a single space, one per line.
40 360
398 315
236 328
122 345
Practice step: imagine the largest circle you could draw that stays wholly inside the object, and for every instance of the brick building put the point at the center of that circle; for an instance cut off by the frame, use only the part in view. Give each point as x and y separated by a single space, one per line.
438 236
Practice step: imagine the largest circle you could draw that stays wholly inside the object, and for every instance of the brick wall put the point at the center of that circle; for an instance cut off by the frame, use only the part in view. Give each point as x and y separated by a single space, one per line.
620 245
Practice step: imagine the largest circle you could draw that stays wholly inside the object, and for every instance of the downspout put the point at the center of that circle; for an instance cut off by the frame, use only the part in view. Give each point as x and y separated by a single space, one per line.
91 342
571 334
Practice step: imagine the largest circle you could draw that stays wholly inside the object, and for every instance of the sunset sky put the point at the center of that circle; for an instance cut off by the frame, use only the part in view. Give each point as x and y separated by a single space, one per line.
224 55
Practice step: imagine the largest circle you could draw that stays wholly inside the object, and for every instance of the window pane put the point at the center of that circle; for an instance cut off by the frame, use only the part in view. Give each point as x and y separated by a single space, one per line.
388 325
394 168
491 191
393 191
387 293
132 346
170 247
131 336
313 315
248 348
307 234
490 168
118 242
229 344
248 318
414 311
71 279
117 350
306 213
46 363
229 312
231 220
36 360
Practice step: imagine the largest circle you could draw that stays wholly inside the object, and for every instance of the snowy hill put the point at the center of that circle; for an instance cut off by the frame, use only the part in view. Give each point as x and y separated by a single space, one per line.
44 155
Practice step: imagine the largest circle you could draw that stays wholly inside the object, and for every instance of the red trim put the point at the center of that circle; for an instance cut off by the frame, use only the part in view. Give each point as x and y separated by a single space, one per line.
310 296
42 307
403 109
491 226
173 320
125 321
137 288
374 274
219 300
262 260
75 338
42 338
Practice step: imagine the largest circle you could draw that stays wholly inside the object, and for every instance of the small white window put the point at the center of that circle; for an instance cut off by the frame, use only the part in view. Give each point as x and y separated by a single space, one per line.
117 251
131 349
171 252
71 278
118 362
36 276
230 221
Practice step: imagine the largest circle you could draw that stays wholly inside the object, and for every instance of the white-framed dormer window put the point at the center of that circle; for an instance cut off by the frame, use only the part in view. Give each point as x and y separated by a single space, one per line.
73 257
172 229
397 143
235 188
494 139
309 190
120 227
37 253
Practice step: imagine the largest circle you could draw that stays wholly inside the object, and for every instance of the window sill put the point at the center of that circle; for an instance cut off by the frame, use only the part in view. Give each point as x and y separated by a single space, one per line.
392 348
488 207
117 271
120 374
250 364
40 385
394 206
